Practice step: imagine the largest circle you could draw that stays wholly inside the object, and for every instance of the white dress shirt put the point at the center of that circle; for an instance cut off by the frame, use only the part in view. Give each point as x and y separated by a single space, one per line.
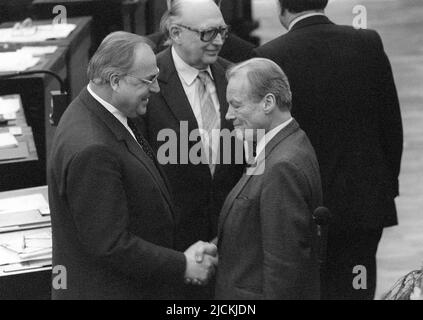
308 15
115 112
190 82
261 145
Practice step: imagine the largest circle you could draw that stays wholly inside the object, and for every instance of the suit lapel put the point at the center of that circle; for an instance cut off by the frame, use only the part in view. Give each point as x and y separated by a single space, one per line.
136 150
221 84
173 91
282 135
122 134
227 206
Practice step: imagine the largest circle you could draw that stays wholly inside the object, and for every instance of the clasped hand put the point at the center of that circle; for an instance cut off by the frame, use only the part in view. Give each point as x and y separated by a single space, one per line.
202 260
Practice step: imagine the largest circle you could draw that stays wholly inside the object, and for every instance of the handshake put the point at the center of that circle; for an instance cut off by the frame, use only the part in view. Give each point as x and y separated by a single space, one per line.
202 261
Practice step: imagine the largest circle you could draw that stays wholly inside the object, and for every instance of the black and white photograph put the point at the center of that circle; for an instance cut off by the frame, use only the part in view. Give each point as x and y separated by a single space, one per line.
211 154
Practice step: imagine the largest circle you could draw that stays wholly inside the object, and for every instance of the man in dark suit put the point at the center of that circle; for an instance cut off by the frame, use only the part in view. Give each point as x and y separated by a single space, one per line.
112 215
344 97
193 88
234 49
267 237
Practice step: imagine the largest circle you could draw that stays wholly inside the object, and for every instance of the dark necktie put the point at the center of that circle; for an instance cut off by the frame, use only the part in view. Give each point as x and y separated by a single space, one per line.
252 152
141 141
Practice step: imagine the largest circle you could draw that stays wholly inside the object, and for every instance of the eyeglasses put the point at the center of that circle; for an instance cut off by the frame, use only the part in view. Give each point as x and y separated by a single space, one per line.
209 35
148 82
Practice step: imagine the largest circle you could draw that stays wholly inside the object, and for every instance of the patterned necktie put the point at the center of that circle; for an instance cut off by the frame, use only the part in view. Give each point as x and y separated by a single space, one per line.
141 141
209 114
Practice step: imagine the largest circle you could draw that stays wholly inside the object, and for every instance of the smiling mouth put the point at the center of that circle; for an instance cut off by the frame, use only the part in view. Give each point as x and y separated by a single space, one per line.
212 51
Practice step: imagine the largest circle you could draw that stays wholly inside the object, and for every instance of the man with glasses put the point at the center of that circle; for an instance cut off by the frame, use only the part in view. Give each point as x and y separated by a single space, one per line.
113 219
193 93
234 48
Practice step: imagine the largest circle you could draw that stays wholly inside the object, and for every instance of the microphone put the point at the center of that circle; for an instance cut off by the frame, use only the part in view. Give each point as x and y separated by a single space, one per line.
59 99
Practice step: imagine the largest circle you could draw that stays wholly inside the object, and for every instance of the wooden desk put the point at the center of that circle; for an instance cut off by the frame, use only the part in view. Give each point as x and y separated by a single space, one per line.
35 94
76 45
27 284
108 15
16 172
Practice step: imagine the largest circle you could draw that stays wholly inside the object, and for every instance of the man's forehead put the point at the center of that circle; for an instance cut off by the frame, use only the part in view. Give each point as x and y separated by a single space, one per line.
145 60
203 15
237 87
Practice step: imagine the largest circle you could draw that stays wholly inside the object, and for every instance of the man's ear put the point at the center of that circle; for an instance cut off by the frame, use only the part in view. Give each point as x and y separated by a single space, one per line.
269 103
114 81
175 33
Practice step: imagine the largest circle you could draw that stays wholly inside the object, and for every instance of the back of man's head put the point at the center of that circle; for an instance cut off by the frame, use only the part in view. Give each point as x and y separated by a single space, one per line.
297 6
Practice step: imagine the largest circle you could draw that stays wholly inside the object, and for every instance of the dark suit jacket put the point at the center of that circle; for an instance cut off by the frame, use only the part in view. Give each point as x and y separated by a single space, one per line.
198 197
344 98
112 217
235 49
267 236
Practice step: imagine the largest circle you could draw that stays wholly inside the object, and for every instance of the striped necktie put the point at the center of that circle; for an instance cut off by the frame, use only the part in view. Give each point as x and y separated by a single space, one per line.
141 141
209 114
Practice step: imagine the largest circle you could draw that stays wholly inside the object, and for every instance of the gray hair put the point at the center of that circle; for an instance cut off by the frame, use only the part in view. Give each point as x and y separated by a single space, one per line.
115 55
265 77
172 14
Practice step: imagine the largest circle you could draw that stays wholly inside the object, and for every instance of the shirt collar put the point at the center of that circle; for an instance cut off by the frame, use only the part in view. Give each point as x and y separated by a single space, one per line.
308 15
118 114
270 135
185 71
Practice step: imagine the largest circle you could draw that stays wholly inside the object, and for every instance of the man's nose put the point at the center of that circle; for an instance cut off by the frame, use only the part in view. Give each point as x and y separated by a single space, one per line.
155 88
230 115
218 41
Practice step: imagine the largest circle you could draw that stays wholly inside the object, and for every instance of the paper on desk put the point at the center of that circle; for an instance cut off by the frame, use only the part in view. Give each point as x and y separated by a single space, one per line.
7 140
23 203
38 51
34 244
13 259
25 266
16 131
8 255
10 104
26 247
37 33
17 61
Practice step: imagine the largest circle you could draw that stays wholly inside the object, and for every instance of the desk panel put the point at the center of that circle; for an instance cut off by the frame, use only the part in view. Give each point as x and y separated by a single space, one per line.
27 284
35 94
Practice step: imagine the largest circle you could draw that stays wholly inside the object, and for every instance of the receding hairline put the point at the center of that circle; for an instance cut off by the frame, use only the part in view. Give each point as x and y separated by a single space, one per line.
257 73
187 7
252 64
116 54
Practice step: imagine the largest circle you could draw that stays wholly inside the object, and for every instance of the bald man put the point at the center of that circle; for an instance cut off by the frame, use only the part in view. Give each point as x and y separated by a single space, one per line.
234 49
189 68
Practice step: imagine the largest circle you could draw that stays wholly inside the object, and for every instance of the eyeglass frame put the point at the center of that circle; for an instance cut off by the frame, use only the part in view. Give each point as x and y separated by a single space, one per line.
202 32
149 83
